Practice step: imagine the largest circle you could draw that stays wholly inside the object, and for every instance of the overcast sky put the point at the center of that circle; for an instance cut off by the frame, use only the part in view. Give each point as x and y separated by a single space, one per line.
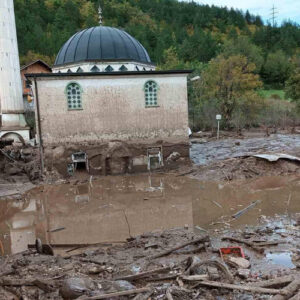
287 9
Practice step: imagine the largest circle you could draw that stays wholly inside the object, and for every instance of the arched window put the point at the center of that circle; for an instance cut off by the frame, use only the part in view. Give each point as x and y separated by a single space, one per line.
74 96
151 88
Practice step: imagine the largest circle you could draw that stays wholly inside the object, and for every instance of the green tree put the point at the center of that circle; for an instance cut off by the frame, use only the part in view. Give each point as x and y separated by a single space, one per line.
200 46
171 60
292 88
276 69
232 82
243 46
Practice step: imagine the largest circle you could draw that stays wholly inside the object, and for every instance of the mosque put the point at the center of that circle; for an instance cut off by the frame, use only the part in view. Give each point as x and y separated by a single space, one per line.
106 109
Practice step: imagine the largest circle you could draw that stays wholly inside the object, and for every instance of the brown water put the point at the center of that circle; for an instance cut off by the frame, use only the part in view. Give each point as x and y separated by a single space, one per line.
115 208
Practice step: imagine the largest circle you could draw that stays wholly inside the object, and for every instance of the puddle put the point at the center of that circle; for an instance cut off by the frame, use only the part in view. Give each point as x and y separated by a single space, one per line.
112 209
281 258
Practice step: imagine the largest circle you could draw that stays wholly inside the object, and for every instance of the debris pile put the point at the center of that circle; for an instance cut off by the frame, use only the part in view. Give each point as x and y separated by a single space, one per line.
175 264
245 168
19 160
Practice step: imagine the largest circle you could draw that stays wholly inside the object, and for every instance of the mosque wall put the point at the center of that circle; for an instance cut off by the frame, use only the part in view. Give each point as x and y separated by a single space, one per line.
114 127
113 108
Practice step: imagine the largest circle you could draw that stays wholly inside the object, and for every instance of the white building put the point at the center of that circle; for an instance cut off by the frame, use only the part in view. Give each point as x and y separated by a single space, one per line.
105 100
12 121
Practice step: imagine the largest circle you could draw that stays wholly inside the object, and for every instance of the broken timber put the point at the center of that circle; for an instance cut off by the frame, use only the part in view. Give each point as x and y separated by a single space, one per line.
252 289
288 291
118 294
167 252
244 210
142 275
275 283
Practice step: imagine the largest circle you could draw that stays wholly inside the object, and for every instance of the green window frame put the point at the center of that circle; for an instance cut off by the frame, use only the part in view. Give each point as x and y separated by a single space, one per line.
151 89
74 96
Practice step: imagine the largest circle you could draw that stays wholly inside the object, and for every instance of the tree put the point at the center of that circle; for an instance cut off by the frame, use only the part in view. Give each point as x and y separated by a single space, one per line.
171 60
200 46
292 88
276 69
232 82
243 46
248 17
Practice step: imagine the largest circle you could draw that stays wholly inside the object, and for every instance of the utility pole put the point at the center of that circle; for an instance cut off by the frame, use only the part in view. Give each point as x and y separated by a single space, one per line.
274 12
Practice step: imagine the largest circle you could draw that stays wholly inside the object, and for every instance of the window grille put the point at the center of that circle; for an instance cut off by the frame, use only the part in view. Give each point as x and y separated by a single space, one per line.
74 96
151 93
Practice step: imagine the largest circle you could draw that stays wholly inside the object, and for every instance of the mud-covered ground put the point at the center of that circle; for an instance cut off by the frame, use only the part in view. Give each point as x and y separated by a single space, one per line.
229 158
175 264
155 236
205 151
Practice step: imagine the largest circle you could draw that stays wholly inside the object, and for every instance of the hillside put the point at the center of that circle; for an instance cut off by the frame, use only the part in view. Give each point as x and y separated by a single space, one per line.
176 34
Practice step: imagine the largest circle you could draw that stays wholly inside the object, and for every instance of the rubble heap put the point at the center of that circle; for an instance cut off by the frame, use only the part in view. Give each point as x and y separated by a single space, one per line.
175 264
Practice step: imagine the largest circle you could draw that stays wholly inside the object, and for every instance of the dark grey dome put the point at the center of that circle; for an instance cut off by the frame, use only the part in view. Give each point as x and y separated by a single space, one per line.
101 44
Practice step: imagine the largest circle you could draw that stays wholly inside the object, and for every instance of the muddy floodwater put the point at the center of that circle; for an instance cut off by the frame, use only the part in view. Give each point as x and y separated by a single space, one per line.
112 209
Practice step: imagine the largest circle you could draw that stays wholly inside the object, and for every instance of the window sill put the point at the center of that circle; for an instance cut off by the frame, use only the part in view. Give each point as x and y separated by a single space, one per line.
154 106
74 109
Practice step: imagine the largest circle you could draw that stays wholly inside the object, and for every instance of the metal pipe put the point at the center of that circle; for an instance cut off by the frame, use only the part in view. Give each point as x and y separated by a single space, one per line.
39 125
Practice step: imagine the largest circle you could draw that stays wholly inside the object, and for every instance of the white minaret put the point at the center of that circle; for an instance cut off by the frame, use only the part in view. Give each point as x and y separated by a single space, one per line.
12 122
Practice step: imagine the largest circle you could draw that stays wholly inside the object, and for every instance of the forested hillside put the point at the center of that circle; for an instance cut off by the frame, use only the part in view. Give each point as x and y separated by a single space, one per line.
182 35
195 33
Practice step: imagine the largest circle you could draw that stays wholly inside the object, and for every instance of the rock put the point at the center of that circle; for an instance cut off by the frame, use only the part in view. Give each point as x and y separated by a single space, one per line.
239 262
12 170
244 297
213 273
173 156
73 288
243 273
96 270
26 151
116 286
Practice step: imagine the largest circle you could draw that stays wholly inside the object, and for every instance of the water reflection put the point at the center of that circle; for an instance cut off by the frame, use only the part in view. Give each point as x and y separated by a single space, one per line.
115 208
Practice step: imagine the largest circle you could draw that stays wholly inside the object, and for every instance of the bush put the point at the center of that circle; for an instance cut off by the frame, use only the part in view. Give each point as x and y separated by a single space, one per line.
278 113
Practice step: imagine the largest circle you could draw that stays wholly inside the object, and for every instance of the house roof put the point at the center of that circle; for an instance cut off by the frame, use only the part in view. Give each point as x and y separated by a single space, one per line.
35 62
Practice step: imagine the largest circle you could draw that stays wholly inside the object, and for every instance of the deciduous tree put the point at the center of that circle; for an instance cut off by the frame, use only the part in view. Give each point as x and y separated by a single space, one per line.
232 82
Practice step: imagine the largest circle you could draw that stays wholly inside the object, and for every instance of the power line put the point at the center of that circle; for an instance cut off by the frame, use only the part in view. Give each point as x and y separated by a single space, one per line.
273 14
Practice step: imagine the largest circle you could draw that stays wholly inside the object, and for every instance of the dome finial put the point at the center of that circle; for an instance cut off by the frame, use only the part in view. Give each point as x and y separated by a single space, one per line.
100 15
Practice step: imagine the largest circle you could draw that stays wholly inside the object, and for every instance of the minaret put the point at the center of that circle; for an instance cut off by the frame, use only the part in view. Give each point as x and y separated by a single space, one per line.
12 121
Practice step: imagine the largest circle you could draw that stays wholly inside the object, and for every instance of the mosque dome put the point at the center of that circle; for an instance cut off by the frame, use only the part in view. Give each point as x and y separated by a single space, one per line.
101 44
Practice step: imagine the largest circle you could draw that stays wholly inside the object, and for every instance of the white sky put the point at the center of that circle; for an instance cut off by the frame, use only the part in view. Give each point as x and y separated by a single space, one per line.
287 9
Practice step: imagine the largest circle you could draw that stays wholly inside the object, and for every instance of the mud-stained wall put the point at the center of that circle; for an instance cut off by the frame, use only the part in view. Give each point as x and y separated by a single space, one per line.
113 108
